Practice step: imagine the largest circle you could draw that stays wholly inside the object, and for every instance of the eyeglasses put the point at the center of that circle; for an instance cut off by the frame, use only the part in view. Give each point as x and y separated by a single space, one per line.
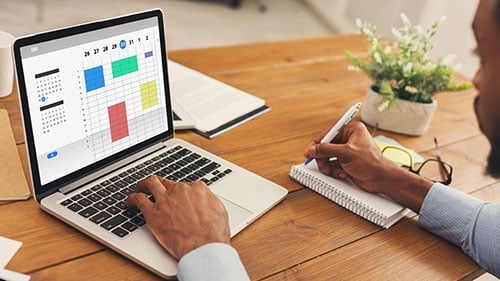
433 169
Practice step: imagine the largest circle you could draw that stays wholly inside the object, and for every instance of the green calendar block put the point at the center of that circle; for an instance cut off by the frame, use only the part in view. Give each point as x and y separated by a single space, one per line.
124 66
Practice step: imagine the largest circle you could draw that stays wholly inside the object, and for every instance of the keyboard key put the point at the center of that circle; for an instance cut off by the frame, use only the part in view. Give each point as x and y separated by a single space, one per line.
167 170
94 197
86 192
113 210
88 212
66 202
138 221
161 174
106 183
120 232
115 178
119 196
75 207
112 188
113 222
192 177
129 226
102 216
189 158
202 162
210 167
129 180
130 212
76 197
103 193
121 184
126 191
100 205
121 205
85 202
109 200
96 187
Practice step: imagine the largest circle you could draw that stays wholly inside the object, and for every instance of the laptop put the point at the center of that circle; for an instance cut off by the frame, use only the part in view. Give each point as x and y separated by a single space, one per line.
98 118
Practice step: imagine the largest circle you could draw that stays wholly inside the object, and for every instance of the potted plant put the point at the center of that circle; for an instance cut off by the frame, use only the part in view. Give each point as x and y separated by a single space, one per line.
404 77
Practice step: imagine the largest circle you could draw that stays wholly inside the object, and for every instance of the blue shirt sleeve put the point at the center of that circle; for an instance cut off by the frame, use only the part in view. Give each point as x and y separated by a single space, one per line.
214 261
465 221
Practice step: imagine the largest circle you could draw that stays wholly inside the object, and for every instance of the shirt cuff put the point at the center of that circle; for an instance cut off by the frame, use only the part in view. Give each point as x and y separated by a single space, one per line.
214 261
447 212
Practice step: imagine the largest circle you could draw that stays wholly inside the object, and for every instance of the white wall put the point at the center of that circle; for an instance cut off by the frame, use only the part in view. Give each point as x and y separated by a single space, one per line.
454 35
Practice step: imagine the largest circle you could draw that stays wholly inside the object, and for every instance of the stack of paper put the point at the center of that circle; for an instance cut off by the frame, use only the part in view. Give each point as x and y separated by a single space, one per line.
9 248
213 106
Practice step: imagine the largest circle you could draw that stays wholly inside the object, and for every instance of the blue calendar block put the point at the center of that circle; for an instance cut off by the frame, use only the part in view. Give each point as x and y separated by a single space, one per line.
94 78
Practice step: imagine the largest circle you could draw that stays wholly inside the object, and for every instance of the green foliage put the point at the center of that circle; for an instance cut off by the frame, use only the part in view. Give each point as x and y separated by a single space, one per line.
403 69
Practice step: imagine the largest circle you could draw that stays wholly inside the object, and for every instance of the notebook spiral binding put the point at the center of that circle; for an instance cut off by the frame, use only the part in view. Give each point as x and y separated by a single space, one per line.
336 195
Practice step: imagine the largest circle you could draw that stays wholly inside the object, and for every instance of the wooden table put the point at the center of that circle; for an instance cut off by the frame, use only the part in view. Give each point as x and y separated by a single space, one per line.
305 237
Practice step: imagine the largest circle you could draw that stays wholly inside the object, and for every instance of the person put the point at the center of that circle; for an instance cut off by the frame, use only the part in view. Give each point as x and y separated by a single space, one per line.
190 223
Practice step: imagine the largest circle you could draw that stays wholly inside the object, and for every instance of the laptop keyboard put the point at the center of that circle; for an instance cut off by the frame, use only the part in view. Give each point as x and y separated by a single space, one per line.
103 203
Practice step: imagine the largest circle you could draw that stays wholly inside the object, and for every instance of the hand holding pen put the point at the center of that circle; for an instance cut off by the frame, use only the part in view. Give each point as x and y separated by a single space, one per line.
332 133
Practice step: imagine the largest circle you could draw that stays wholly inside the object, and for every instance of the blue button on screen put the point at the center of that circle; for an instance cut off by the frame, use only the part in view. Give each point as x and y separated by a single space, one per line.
52 154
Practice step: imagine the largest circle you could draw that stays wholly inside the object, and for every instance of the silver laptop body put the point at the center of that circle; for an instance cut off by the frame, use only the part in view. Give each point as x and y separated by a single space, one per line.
98 118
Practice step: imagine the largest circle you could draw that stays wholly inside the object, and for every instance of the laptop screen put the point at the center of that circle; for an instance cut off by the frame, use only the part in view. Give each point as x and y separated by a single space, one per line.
92 94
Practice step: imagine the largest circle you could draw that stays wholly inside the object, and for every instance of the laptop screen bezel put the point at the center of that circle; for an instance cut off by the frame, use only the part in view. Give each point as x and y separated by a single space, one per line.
43 190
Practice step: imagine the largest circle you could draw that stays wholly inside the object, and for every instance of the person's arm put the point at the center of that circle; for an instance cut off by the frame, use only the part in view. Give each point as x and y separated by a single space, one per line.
214 261
467 222
470 223
359 158
191 223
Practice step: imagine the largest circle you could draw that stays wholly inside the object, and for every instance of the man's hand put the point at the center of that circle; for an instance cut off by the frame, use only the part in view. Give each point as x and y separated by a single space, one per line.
358 157
184 216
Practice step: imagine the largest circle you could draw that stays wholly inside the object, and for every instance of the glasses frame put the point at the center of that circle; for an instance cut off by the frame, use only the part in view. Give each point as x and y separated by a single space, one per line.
446 168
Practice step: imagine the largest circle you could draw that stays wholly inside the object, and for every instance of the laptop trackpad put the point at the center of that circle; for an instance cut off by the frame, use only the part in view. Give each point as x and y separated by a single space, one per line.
237 214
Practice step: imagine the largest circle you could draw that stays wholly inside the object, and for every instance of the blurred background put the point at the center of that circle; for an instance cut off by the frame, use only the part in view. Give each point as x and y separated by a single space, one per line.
206 23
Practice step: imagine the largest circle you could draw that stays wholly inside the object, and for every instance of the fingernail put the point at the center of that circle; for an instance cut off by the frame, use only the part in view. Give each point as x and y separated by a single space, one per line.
342 175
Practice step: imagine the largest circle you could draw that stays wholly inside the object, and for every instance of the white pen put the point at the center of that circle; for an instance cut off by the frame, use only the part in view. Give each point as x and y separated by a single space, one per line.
338 126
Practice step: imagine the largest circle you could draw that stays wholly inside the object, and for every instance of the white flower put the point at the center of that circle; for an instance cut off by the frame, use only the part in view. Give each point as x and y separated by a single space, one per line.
374 45
430 65
388 50
383 106
405 19
419 30
449 59
377 58
408 67
396 33
353 68
359 23
411 89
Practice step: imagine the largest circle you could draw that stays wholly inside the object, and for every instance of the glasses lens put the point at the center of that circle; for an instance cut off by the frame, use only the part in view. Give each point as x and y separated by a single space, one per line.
435 170
398 156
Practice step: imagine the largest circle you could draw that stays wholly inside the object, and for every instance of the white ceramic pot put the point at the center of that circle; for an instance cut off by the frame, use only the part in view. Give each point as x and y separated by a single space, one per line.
404 117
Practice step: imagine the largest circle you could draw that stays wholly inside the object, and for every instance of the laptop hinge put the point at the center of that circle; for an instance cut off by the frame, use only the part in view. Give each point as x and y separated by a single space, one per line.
110 168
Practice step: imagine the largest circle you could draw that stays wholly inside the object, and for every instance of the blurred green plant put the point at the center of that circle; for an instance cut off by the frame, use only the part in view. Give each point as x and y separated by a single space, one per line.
403 69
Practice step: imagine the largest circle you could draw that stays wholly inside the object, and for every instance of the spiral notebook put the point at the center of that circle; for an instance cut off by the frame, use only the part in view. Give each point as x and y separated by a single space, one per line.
375 208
